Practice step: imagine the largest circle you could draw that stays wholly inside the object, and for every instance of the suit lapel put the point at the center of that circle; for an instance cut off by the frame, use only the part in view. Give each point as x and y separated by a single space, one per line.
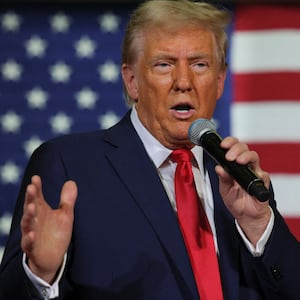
129 156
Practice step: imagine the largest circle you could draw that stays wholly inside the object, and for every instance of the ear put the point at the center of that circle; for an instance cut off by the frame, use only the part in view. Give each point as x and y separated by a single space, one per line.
129 80
221 83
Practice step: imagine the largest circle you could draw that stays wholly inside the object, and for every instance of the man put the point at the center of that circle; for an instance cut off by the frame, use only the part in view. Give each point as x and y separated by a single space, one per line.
100 218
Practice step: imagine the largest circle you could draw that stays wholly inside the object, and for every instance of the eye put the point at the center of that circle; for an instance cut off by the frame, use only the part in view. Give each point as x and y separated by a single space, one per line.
162 66
200 66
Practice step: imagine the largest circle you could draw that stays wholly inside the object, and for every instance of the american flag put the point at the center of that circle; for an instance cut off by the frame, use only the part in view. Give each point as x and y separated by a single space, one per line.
265 112
60 73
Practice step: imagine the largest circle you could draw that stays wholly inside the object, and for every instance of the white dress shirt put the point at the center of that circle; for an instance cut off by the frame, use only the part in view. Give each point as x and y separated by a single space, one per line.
166 170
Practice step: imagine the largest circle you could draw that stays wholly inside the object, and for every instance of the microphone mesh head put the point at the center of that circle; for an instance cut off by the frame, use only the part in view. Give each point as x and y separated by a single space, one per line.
198 128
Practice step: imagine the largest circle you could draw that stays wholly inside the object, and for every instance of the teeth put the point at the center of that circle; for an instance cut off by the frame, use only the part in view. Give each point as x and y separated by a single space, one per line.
182 110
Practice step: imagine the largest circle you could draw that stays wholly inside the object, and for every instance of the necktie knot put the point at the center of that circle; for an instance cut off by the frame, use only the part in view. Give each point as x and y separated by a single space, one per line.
182 155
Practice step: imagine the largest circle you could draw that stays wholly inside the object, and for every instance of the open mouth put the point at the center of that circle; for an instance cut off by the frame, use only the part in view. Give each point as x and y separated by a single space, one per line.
182 108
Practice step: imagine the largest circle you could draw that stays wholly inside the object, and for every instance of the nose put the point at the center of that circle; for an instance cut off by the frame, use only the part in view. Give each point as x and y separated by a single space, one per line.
182 78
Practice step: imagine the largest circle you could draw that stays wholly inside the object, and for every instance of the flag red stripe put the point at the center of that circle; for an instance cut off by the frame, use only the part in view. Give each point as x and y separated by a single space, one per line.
266 86
278 157
271 85
294 225
264 17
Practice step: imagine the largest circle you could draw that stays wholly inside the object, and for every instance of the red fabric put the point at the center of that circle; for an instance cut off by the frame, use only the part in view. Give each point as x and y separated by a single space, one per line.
261 86
195 229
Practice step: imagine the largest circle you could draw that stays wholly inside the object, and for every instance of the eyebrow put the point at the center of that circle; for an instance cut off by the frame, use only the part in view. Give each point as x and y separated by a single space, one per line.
172 57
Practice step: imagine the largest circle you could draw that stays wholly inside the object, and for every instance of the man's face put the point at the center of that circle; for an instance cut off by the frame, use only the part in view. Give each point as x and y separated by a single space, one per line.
175 80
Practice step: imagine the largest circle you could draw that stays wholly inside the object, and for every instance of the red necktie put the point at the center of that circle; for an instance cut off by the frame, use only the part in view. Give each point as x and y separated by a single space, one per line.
196 229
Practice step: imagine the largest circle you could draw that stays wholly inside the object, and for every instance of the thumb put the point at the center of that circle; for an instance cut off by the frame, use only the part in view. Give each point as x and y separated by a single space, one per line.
68 196
223 175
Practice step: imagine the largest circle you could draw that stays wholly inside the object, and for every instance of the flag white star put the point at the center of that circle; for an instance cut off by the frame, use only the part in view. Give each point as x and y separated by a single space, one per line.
60 72
108 119
85 47
109 22
86 98
10 172
1 253
10 21
61 123
11 122
31 144
35 46
11 70
60 22
37 98
109 71
5 222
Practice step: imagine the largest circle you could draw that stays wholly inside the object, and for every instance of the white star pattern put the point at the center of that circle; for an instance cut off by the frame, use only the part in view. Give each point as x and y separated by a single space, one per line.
1 252
31 144
86 98
35 46
11 122
10 172
10 21
85 47
108 119
60 22
5 222
11 70
61 123
109 71
60 72
37 98
109 22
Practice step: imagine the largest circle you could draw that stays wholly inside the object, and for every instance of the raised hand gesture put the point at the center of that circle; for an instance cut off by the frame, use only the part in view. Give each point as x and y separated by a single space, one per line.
46 232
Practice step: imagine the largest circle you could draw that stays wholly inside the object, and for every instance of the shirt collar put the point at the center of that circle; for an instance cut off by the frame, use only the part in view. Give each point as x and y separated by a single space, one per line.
156 151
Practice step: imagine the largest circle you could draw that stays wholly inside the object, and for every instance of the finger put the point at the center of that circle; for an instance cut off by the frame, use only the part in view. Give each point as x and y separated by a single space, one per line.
30 210
250 158
228 141
223 175
68 196
265 176
27 242
28 226
28 218
33 191
37 183
235 151
234 148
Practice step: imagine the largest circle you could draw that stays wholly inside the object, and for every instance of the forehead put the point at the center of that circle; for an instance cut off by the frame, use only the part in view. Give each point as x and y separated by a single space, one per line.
187 39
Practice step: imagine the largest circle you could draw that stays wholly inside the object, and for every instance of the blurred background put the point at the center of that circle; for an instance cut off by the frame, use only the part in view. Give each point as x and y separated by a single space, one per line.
60 73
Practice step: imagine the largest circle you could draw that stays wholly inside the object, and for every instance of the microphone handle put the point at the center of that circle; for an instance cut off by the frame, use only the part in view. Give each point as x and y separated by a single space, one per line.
245 176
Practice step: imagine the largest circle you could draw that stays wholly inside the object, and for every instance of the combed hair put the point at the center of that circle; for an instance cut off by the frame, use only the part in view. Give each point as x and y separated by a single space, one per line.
171 15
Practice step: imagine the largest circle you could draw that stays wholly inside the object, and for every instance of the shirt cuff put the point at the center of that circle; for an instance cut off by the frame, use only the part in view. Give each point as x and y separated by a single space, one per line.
260 245
46 290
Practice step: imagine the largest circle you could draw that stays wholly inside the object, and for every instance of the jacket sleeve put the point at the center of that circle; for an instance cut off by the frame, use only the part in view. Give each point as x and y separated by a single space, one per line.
46 162
277 271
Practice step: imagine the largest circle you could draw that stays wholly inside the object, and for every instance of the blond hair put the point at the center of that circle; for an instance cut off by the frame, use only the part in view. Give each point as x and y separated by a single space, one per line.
171 15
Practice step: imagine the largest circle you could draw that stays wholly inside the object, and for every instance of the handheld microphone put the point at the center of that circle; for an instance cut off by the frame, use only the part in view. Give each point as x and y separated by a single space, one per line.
202 132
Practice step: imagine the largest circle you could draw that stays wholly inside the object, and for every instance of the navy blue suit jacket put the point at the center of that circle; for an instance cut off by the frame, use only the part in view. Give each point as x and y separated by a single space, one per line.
126 241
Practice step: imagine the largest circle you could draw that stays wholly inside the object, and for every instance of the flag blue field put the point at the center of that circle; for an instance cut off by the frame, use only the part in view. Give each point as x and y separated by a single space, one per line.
60 73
